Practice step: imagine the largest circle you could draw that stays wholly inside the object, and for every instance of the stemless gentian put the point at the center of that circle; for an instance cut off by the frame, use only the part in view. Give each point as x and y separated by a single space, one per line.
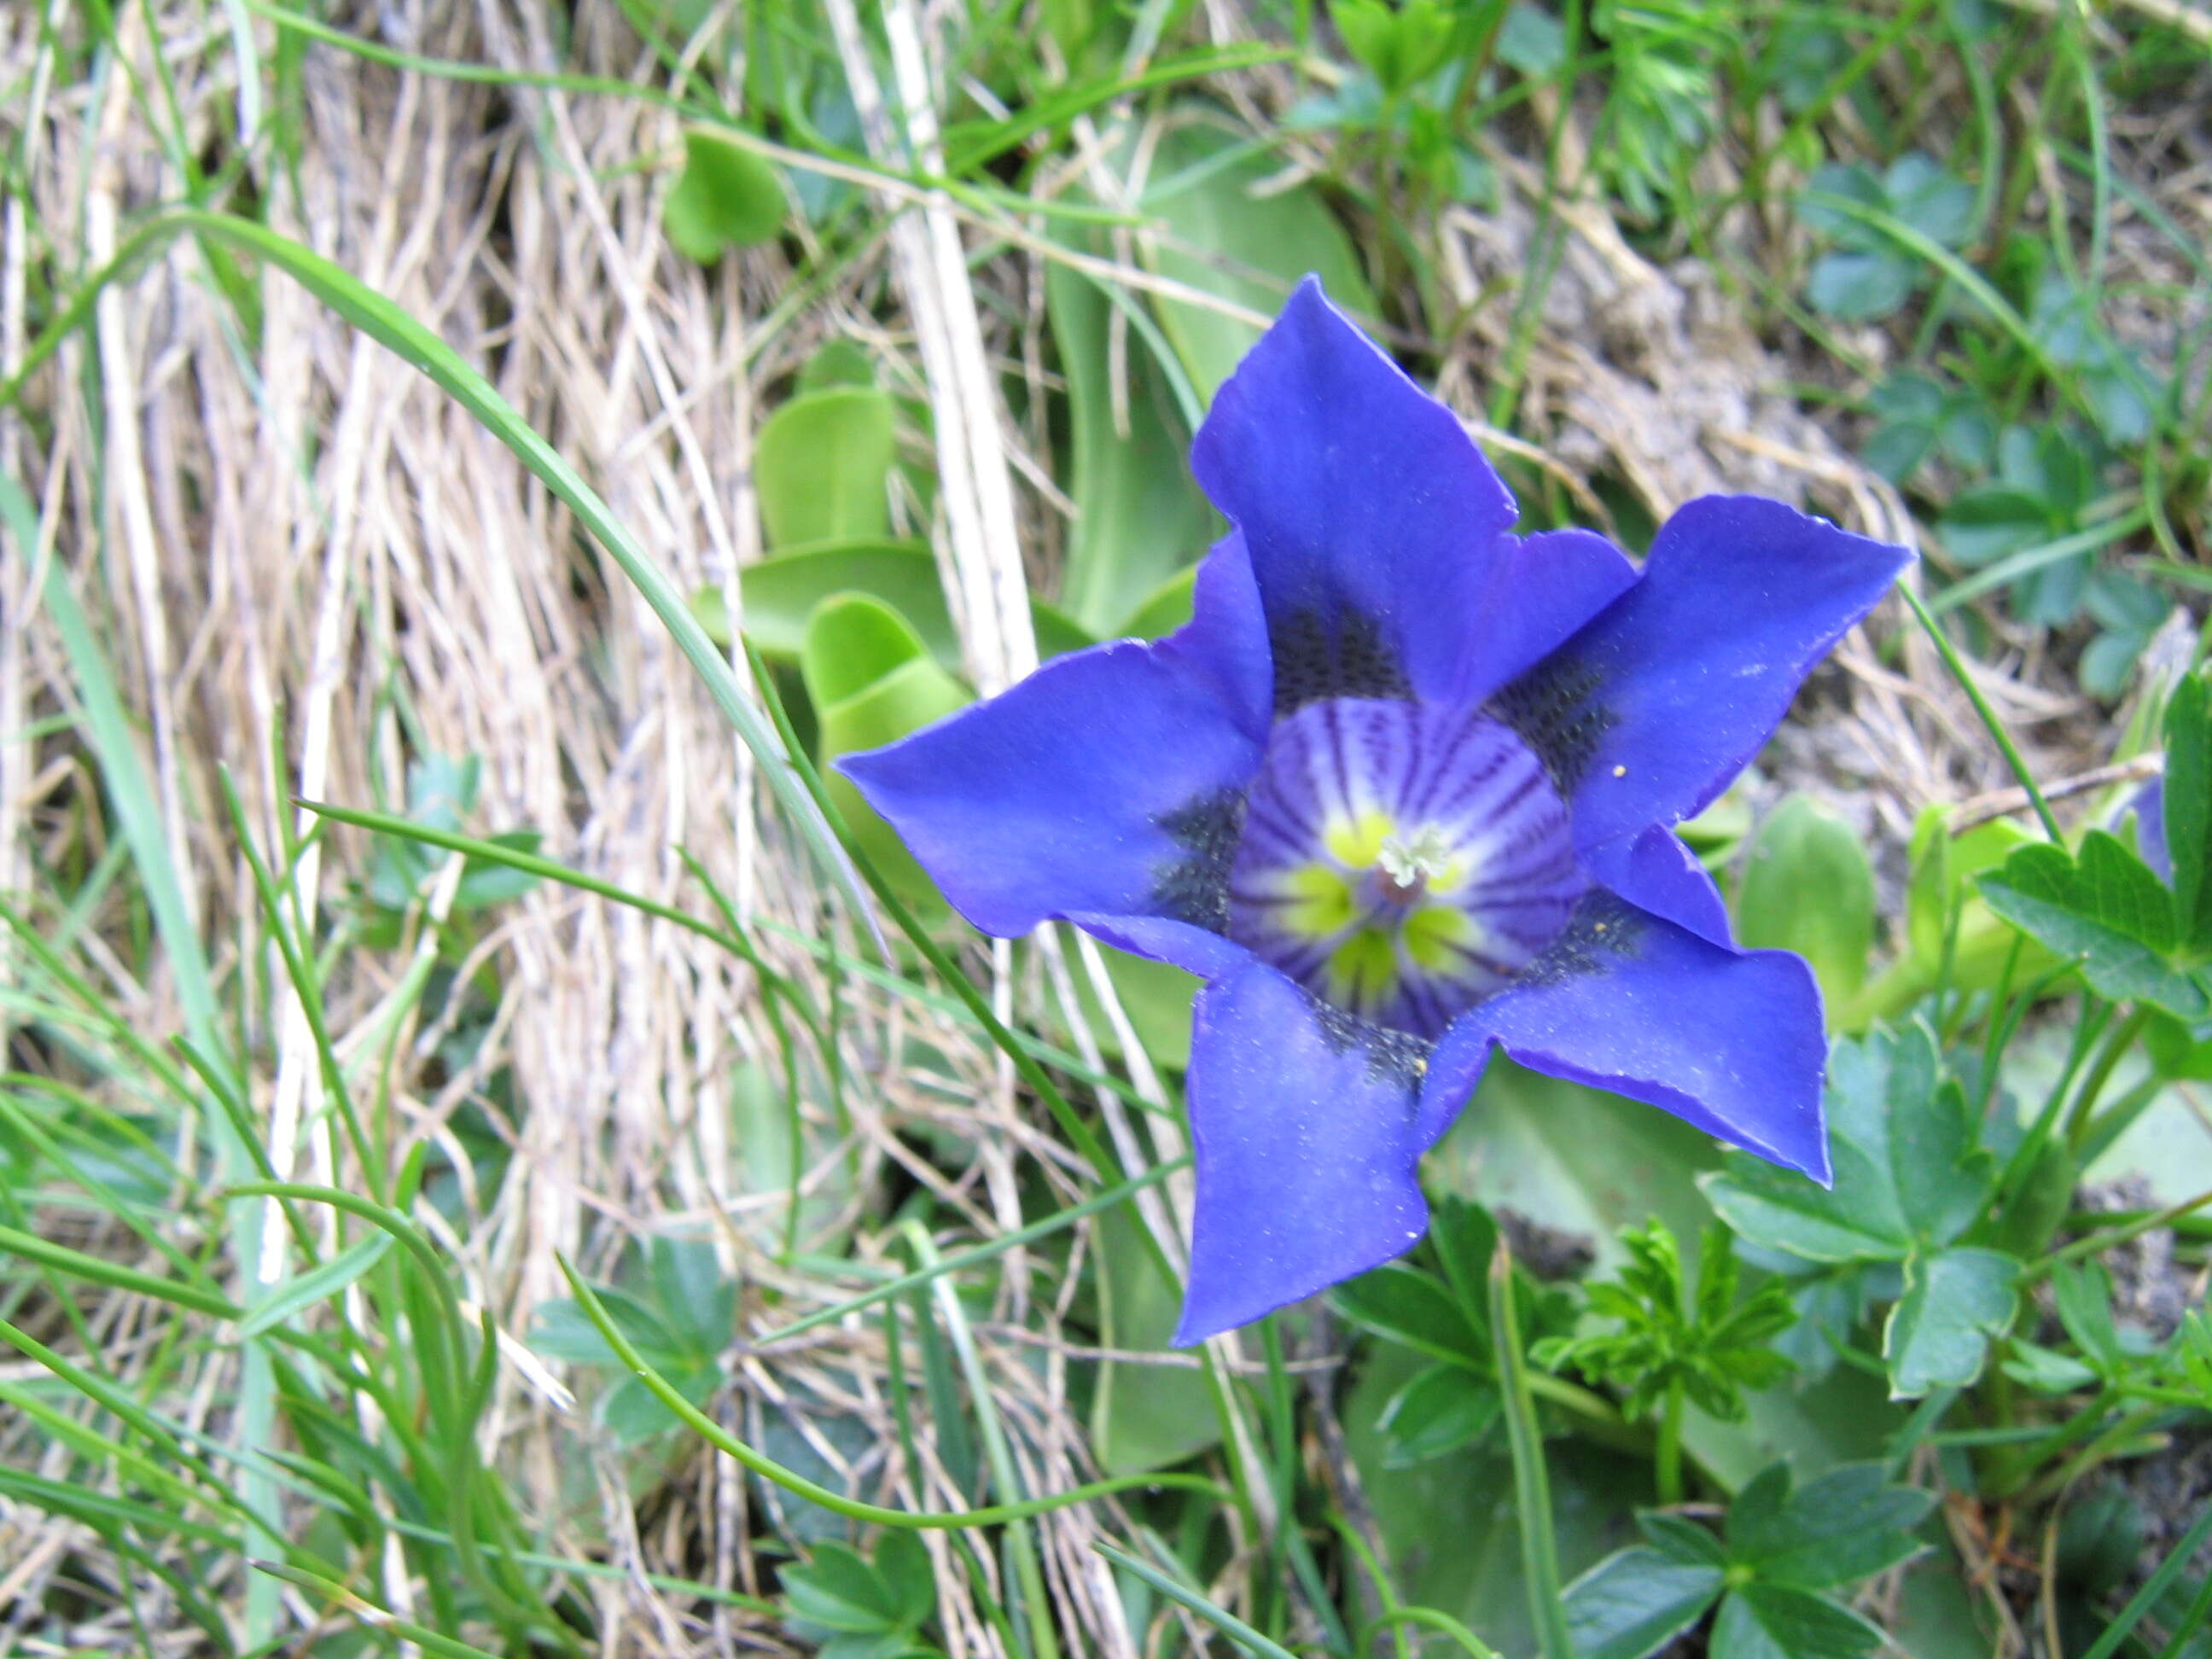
1402 793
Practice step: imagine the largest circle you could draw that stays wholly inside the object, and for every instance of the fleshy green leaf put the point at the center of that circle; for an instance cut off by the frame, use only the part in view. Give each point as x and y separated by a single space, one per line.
2105 909
1226 215
1142 1417
821 462
1633 1603
1955 1303
727 197
1860 285
1806 887
872 681
1139 514
779 594
1772 1621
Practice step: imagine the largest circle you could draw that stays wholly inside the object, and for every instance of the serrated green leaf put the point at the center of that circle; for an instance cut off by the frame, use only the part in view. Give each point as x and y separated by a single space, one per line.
1860 285
1902 1149
1680 1538
1772 1621
1634 1603
1847 1525
2103 910
1984 524
727 197
1956 1302
1464 1237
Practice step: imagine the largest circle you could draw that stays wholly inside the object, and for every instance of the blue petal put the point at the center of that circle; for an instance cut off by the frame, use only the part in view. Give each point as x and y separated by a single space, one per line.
1105 786
1371 516
2149 804
1535 591
1656 872
1307 1130
1729 1041
1649 712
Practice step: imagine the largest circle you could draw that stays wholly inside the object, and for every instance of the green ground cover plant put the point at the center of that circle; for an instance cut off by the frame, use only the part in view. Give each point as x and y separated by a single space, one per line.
502 1151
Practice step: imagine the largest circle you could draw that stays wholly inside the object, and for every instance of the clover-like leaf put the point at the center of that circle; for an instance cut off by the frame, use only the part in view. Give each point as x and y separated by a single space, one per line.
1773 1621
1908 1172
727 197
1848 1524
1636 1600
2106 909
857 1608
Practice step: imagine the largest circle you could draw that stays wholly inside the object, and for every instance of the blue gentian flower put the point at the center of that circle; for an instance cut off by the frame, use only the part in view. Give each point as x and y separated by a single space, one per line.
2149 804
1402 793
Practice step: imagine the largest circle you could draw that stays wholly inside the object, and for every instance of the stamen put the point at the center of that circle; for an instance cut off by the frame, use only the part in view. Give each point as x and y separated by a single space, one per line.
1407 864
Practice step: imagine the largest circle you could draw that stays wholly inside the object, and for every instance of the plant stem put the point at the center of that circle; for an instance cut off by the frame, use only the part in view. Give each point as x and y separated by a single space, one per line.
1532 1487
1961 674
1668 1461
2121 1038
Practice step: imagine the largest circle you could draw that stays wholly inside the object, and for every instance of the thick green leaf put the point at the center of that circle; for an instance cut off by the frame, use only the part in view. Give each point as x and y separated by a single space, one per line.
821 462
727 197
871 682
1806 887
1955 1303
779 594
1143 1417
1902 1145
1771 1621
1226 236
1843 1526
2105 909
2188 806
1138 513
1163 609
1634 1603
